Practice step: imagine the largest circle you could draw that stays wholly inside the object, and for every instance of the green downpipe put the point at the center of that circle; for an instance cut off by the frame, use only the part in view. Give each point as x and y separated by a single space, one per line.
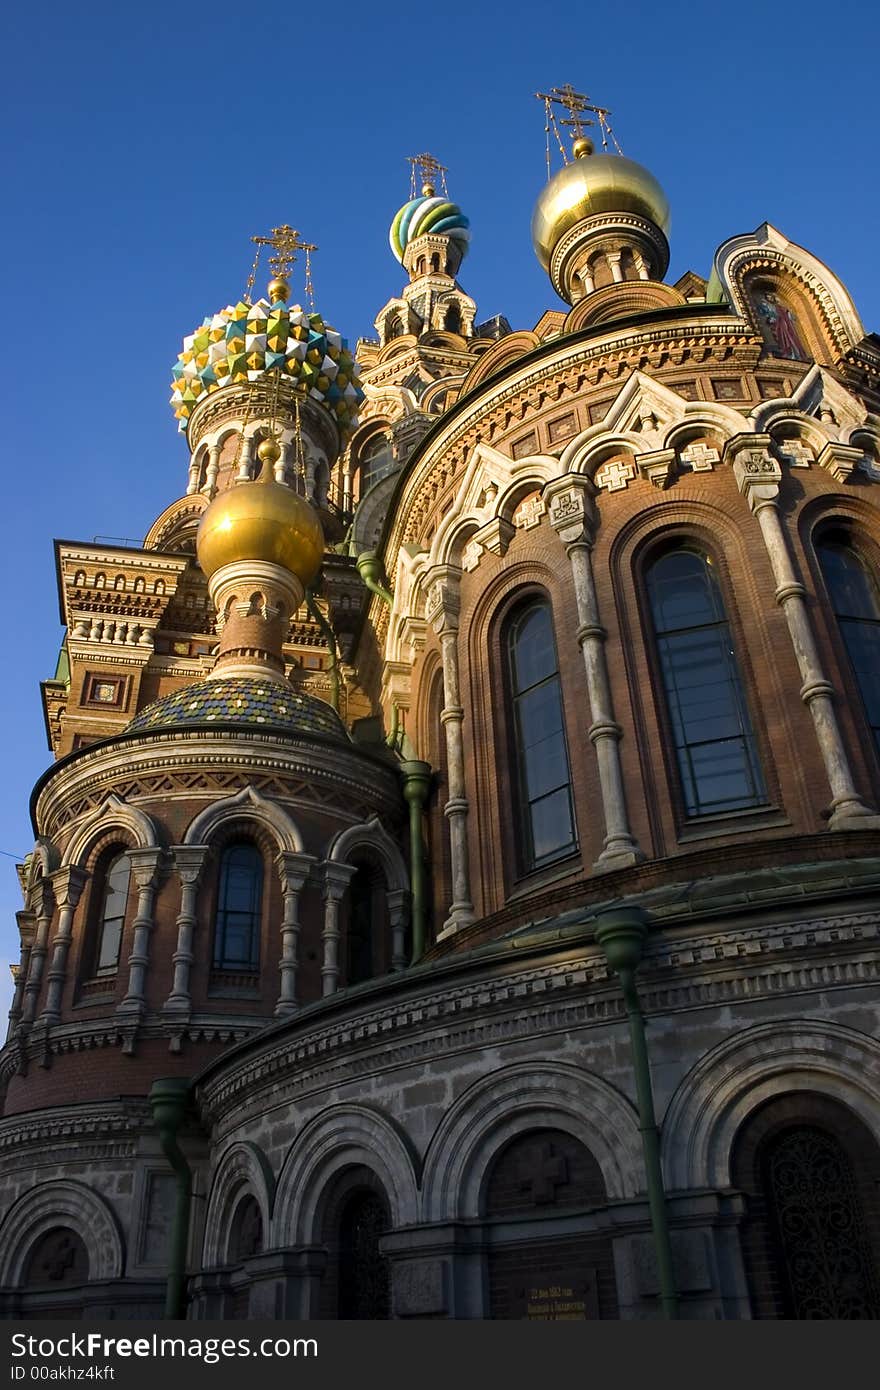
369 568
621 933
416 785
169 1098
330 637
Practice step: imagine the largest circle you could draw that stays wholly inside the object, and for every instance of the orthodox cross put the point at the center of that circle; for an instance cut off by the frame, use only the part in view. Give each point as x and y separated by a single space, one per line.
576 105
287 243
425 168
541 1179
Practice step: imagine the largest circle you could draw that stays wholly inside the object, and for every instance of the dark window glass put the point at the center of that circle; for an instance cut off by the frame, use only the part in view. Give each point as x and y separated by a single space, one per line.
359 952
542 756
112 921
856 604
363 1269
711 729
377 461
237 932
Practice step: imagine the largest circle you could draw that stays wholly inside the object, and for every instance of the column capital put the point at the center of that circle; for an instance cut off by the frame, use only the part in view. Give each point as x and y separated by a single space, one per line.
337 877
758 474
841 460
657 466
27 925
67 885
293 869
570 509
189 861
146 861
442 588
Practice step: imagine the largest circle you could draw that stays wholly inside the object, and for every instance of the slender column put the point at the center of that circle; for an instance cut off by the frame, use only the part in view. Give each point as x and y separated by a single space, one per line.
416 785
145 864
193 482
39 951
293 870
26 930
336 880
212 470
347 479
442 612
398 903
569 509
244 460
758 476
189 861
67 885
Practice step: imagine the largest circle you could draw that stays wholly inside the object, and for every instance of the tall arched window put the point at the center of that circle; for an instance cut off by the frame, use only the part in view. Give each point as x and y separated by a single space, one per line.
856 603
111 919
363 1269
711 729
543 774
239 903
376 461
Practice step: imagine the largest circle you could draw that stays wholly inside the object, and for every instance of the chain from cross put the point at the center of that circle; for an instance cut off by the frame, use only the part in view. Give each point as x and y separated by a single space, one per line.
576 104
426 167
287 243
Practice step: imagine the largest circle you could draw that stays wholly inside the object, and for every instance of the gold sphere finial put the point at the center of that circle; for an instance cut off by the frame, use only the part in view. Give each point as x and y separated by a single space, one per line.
269 451
428 190
582 147
279 290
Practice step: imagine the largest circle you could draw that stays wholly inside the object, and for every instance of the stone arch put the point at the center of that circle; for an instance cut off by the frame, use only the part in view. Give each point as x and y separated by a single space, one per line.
44 859
344 1137
595 452
532 1095
242 1167
63 1203
371 835
708 418
766 1060
247 804
112 813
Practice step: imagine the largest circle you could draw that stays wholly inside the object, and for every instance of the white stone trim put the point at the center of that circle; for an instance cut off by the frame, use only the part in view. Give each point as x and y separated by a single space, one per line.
63 1203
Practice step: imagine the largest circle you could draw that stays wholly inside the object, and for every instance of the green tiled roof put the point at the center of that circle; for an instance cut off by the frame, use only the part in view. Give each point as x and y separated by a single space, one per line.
244 700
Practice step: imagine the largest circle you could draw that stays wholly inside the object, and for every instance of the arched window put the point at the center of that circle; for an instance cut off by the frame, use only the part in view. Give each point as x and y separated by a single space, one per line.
543 774
58 1258
856 603
111 920
363 1269
711 730
377 461
452 320
239 903
246 1234
394 327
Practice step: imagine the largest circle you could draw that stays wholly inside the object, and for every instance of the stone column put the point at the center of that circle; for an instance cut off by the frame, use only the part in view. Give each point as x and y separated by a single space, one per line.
571 516
398 904
26 931
67 885
442 610
244 460
212 470
39 951
336 879
193 481
293 870
758 476
189 861
145 864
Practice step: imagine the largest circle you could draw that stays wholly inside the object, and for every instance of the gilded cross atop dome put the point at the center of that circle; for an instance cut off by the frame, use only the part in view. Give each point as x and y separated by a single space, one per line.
576 104
424 169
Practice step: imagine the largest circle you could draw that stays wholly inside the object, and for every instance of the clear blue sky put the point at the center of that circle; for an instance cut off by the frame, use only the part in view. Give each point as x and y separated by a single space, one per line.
145 144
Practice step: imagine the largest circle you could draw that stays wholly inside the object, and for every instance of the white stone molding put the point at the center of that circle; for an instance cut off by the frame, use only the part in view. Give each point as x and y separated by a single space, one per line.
60 1203
243 1167
340 1138
189 862
490 489
112 813
373 836
758 476
293 871
145 866
337 877
515 1100
41 902
769 246
754 1065
247 804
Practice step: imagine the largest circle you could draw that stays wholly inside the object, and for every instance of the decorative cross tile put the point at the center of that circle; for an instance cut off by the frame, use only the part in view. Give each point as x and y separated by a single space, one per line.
614 475
795 453
529 512
470 556
541 1180
700 458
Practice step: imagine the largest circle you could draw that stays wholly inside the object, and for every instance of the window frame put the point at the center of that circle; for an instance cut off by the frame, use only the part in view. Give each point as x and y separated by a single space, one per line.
840 530
221 965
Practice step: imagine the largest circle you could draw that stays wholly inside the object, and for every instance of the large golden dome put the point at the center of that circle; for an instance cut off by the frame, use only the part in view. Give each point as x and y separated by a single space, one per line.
594 184
261 521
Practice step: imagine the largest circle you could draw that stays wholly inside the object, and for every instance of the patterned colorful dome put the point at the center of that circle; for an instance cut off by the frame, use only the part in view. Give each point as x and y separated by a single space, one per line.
245 341
428 214
245 700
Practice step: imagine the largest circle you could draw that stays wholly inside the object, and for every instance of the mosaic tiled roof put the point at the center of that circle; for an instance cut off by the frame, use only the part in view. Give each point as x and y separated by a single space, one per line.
245 341
244 700
428 214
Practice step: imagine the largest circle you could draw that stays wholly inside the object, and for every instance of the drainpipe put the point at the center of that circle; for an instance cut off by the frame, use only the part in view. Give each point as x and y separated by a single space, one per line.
369 568
621 933
169 1098
416 785
330 637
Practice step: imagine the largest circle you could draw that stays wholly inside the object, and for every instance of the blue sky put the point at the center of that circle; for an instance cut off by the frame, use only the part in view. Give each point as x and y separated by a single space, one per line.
145 144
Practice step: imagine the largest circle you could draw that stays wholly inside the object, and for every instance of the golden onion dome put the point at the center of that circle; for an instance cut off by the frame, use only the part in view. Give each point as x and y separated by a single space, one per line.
261 520
589 185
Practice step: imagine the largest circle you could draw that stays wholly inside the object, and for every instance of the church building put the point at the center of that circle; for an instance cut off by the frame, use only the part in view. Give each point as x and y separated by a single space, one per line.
456 890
